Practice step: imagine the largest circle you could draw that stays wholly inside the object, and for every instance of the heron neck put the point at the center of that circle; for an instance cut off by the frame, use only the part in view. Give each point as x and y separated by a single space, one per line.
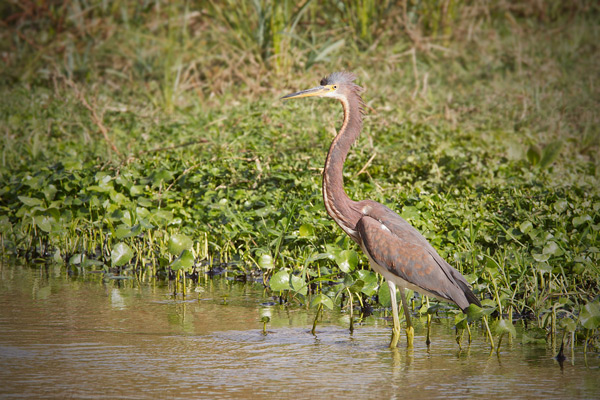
337 202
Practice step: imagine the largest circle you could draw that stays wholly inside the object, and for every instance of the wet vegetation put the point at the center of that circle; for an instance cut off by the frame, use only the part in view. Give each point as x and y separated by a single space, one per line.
145 140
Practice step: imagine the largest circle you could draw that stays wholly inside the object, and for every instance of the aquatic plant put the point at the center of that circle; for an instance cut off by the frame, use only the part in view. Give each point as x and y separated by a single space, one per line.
143 141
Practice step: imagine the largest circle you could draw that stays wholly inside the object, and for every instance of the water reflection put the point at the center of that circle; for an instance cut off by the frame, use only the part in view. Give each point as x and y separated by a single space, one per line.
61 337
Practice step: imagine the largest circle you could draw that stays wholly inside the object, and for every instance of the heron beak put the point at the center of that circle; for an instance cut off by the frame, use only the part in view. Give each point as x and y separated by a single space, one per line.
316 91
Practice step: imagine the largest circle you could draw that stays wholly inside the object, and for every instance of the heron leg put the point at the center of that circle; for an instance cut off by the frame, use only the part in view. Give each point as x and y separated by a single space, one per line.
396 327
410 331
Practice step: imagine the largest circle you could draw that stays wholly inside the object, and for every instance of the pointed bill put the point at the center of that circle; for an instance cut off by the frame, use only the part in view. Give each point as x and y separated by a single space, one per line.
316 91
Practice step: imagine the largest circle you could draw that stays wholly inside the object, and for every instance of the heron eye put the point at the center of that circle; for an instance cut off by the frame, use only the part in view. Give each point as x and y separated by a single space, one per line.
334 87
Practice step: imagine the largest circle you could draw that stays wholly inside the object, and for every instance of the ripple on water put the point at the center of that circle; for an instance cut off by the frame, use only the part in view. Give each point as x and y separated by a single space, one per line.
87 341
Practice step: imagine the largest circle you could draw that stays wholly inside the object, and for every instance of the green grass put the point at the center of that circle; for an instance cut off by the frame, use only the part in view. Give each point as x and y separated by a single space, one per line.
148 140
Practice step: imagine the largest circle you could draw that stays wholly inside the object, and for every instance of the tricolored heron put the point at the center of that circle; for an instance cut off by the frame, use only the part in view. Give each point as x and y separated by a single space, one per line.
395 249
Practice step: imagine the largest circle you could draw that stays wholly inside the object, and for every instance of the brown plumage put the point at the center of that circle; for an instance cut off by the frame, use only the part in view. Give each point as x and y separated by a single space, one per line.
395 249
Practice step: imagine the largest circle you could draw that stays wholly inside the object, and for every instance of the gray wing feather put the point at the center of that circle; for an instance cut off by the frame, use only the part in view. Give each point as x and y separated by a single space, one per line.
403 251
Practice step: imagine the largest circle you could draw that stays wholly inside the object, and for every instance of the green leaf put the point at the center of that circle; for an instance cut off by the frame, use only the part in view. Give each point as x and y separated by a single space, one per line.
525 226
567 324
543 267
541 258
551 248
533 336
357 286
560 206
474 312
298 285
162 216
265 262
581 219
504 326
185 261
76 259
534 154
121 254
322 299
460 321
550 154
384 295
44 222
123 231
280 281
50 192
178 243
306 230
347 260
30 201
590 315
370 281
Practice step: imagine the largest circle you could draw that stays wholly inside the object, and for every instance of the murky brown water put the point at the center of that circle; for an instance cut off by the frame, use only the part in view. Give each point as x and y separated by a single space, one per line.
67 338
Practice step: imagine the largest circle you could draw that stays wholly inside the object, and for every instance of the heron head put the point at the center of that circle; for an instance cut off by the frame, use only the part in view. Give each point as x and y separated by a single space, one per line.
337 85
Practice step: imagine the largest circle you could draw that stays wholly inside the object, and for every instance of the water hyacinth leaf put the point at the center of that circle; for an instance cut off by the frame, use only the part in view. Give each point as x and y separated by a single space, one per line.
347 260
178 243
560 206
590 315
57 258
474 312
136 190
265 262
121 254
162 216
280 281
581 219
298 285
370 282
411 213
567 324
525 226
185 261
348 280
322 299
488 303
126 218
76 259
160 177
44 222
460 321
434 308
543 267
30 201
124 231
384 295
357 286
86 263
551 248
49 192
541 258
318 256
504 326
534 335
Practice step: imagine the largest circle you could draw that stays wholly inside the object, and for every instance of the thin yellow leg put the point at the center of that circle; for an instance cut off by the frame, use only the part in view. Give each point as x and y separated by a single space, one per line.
410 331
396 327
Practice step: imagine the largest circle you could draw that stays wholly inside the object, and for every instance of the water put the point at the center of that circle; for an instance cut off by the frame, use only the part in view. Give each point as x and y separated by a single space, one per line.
67 338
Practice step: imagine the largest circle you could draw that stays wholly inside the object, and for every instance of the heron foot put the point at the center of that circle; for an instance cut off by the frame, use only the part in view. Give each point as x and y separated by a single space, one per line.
410 336
395 337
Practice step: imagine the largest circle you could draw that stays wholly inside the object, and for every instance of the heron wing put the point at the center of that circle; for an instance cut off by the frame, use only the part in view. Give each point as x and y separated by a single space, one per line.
398 247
